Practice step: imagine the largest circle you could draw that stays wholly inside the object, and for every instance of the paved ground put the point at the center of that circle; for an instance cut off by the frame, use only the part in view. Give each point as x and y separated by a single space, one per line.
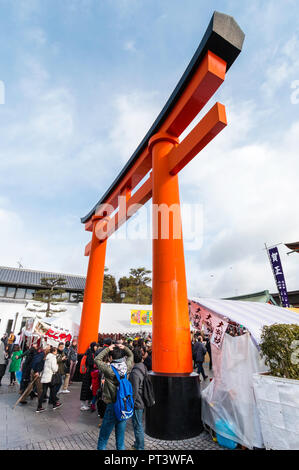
68 428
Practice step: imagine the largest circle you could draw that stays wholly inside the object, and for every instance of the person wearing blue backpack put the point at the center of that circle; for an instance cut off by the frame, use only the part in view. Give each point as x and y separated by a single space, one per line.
117 393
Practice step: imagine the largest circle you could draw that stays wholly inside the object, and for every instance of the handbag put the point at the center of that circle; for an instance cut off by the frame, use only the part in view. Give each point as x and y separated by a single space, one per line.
56 378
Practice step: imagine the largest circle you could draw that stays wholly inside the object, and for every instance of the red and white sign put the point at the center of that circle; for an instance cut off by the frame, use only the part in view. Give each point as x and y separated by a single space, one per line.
51 334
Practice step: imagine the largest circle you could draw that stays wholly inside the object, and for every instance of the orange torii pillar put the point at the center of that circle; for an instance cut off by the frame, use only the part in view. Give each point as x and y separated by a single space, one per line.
171 324
172 374
90 316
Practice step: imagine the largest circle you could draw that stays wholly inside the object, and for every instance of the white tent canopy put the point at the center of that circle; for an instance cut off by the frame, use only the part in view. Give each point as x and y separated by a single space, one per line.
252 315
114 318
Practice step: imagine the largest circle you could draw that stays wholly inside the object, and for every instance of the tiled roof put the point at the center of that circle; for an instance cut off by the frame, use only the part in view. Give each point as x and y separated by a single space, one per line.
28 277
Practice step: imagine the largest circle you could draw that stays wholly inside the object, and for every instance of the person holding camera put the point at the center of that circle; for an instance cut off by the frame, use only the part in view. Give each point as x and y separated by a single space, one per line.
121 359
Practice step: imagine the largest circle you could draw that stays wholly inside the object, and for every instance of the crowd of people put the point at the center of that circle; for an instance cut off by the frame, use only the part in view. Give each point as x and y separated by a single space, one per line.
45 373
233 329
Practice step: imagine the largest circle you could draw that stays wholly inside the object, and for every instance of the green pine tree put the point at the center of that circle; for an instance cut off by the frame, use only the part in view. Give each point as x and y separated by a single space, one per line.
110 294
135 287
51 294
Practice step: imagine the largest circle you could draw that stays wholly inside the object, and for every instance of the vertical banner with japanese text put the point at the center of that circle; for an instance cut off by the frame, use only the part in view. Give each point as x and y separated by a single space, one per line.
218 333
278 275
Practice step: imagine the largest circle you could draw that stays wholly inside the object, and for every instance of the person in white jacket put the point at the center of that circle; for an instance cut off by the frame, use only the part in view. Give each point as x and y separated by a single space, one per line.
50 368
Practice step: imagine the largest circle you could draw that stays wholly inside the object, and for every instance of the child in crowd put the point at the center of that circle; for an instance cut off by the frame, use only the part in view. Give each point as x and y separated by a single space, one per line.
15 364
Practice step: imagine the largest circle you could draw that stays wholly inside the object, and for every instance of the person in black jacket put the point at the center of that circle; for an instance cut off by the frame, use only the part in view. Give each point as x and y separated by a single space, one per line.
37 366
148 357
26 369
209 351
86 393
73 358
199 352
137 378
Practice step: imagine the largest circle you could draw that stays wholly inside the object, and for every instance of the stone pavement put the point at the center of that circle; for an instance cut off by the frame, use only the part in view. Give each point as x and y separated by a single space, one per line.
68 428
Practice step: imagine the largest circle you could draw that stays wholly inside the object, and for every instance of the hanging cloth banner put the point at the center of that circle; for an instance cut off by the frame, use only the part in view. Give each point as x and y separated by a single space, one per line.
214 326
278 275
195 315
210 321
218 333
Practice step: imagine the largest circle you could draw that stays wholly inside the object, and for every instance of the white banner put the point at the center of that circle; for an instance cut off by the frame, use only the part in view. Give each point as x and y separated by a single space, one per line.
210 321
195 315
218 333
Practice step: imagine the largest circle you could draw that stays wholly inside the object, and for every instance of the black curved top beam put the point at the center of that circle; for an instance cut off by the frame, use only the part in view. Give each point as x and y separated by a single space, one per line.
224 38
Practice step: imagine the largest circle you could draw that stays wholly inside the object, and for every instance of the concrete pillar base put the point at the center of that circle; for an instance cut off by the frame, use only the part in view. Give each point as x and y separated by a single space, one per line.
177 412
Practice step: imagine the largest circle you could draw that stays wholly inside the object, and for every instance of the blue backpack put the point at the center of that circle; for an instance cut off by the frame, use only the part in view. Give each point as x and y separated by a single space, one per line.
124 405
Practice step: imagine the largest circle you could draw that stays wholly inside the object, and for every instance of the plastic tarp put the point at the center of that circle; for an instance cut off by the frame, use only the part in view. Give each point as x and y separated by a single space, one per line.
278 407
229 397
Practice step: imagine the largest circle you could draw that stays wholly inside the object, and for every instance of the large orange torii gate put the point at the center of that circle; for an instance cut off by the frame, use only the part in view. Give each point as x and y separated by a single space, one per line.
161 156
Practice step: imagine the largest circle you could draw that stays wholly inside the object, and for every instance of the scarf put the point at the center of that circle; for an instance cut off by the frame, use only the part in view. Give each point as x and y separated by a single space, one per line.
121 366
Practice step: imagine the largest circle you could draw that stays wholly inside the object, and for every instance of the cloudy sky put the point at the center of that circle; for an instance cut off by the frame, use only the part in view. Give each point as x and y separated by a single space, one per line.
85 79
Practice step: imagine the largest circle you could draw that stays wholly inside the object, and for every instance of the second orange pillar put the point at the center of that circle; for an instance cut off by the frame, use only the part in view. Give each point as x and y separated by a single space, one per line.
171 326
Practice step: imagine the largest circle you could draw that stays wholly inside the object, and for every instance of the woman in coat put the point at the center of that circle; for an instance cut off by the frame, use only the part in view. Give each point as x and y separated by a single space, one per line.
50 368
15 364
86 393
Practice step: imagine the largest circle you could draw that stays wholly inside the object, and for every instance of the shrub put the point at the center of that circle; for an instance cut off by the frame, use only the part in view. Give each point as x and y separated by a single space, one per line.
280 348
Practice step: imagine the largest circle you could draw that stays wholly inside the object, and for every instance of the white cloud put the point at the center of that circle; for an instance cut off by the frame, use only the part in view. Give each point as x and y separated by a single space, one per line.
130 46
135 113
284 67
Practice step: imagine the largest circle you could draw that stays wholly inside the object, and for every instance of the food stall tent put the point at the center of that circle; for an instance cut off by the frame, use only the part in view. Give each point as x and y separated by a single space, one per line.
229 398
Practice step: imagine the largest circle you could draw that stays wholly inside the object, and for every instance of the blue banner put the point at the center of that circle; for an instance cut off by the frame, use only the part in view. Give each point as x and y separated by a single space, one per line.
279 276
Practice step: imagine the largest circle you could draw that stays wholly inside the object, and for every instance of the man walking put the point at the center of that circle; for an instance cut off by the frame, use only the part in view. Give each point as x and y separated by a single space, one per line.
137 379
37 366
121 358
199 353
26 370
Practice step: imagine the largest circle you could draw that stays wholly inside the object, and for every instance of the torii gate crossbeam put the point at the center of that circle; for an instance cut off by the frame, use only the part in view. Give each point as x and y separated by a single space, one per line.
161 156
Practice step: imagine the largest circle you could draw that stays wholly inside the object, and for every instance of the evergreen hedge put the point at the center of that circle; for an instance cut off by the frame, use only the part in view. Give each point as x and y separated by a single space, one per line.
280 348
